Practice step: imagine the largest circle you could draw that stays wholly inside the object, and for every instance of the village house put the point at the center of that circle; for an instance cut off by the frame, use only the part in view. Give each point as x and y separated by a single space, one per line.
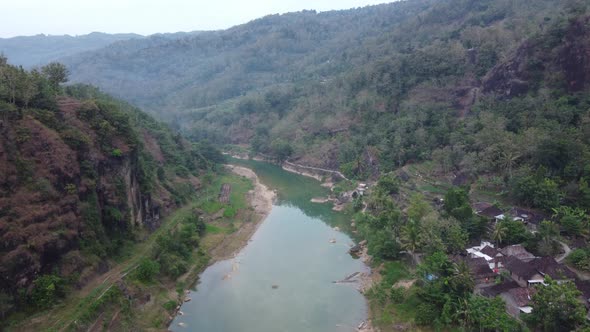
517 251
531 219
517 298
488 211
491 255
482 274
534 271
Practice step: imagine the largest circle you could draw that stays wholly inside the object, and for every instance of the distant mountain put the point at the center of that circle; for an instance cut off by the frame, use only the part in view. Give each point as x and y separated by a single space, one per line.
30 51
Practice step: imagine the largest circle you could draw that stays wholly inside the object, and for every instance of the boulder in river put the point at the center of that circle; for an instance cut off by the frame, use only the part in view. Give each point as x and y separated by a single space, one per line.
355 249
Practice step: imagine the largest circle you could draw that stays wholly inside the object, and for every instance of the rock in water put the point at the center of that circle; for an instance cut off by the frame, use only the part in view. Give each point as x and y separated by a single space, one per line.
275 286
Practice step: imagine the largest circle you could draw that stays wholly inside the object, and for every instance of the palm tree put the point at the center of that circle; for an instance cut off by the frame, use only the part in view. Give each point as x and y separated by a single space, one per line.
410 237
462 281
499 233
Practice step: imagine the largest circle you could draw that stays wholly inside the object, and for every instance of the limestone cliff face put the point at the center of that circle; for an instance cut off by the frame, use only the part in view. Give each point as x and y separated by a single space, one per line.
143 212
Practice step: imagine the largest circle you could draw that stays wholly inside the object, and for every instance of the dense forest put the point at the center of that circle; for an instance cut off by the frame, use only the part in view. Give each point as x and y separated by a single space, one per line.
481 87
83 176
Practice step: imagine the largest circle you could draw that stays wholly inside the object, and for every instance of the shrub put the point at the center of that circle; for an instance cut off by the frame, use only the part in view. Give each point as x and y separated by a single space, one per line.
397 294
146 270
229 212
580 259
71 189
47 290
170 305
117 153
426 314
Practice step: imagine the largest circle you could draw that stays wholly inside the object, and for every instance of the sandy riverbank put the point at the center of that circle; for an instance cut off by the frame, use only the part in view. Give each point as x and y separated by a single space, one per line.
260 200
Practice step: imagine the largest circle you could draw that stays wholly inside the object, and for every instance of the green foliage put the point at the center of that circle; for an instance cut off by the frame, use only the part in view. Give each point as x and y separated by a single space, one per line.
47 290
397 294
446 285
174 248
556 307
572 220
514 231
580 258
418 208
383 245
426 314
388 184
455 238
281 149
537 191
117 153
489 314
112 296
55 73
146 270
71 189
456 204
230 212
170 306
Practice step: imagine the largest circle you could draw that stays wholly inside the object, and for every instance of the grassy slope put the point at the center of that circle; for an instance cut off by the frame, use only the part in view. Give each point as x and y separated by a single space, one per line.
81 305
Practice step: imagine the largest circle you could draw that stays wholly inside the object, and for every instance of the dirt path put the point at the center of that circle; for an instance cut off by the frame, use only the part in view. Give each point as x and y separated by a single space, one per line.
566 251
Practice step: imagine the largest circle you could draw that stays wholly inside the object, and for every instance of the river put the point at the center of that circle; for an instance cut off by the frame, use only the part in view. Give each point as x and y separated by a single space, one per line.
291 251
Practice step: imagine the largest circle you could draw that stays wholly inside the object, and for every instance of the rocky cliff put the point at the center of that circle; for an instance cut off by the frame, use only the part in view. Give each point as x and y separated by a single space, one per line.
77 182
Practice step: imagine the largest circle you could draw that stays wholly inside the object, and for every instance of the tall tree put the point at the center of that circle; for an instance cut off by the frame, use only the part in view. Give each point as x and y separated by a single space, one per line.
56 73
410 237
499 233
556 307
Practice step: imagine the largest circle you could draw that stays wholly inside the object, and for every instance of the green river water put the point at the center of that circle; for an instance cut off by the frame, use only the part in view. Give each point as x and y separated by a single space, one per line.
292 250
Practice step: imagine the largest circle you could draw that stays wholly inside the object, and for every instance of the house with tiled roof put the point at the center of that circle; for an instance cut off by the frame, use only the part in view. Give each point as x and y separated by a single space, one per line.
521 298
486 251
534 271
517 251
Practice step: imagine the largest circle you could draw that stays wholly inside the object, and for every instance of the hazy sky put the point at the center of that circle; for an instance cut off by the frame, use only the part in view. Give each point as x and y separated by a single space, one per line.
74 17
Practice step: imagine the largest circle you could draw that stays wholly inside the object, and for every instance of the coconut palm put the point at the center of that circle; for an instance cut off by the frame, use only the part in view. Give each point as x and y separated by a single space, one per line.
462 280
499 233
410 237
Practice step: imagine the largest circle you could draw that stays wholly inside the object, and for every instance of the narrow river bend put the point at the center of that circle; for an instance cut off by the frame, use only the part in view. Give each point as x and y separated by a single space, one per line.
292 251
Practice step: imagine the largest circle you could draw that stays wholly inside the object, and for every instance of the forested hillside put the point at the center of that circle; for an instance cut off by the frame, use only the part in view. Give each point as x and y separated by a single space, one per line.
312 79
38 50
82 176
478 86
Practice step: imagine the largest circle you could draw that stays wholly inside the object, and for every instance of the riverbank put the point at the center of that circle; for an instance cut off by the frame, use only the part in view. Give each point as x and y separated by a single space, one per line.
260 200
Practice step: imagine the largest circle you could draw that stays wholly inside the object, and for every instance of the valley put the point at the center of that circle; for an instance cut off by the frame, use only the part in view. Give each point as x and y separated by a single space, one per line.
410 166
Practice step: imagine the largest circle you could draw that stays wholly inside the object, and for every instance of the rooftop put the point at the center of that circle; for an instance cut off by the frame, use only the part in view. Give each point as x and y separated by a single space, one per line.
517 251
522 296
